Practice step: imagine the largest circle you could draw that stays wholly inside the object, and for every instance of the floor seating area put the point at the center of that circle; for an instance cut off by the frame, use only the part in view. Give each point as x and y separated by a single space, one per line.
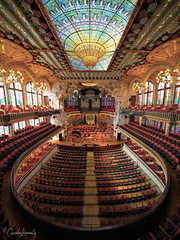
8 109
123 189
167 146
58 188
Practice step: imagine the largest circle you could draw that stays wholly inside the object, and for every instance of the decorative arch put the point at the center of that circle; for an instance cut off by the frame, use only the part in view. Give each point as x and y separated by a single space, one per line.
157 67
22 68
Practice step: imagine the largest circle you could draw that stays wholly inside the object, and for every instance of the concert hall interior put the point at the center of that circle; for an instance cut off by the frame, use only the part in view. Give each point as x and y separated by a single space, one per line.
89 119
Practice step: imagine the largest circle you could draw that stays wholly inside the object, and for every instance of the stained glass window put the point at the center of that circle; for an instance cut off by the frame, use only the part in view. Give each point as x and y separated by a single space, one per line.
164 94
140 98
83 21
2 95
177 95
32 97
4 130
148 94
15 94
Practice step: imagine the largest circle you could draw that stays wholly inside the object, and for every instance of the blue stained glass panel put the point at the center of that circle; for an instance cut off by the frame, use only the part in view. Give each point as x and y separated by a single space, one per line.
97 21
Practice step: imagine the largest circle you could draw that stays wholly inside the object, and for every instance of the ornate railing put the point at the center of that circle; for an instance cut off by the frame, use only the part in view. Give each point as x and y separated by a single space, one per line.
6 119
172 117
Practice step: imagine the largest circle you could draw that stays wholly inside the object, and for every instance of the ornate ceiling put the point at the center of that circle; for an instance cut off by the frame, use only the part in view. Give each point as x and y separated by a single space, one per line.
26 24
98 25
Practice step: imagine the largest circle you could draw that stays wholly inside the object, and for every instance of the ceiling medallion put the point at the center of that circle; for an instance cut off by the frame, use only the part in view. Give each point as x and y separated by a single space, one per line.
90 53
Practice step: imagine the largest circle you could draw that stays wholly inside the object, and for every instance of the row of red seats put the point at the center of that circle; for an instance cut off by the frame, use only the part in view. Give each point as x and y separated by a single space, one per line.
121 175
158 133
168 152
8 109
70 212
57 190
54 199
66 170
126 209
11 155
55 160
21 142
31 160
74 148
127 198
174 108
121 182
60 183
115 166
123 189
60 176
149 160
107 109
71 109
66 164
116 171
165 141
56 183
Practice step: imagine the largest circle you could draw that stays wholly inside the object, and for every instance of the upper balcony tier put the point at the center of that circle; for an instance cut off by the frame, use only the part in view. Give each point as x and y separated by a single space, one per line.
10 114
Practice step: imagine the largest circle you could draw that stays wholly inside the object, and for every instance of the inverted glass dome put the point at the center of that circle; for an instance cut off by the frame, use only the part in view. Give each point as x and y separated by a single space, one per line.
89 30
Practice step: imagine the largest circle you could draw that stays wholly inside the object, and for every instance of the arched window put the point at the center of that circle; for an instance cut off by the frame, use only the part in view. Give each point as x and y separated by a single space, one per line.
164 93
15 94
31 94
39 97
148 94
2 94
139 98
177 94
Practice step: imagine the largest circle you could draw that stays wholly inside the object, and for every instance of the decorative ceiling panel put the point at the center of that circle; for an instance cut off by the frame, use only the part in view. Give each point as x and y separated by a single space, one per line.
81 23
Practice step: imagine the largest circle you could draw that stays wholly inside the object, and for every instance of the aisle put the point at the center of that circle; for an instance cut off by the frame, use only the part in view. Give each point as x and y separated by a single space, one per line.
91 208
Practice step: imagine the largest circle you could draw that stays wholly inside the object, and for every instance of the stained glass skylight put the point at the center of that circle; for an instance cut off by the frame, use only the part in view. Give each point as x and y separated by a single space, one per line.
89 25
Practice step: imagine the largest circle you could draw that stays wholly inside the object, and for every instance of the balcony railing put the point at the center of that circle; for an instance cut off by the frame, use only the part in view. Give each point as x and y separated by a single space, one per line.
172 117
6 119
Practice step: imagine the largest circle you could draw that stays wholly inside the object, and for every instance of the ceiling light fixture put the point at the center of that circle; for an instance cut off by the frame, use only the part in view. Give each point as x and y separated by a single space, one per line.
39 86
164 76
10 76
90 53
141 87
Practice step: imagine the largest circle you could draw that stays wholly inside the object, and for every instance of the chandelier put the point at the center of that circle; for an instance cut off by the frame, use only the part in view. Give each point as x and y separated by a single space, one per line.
39 86
90 53
10 76
141 87
177 74
164 76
